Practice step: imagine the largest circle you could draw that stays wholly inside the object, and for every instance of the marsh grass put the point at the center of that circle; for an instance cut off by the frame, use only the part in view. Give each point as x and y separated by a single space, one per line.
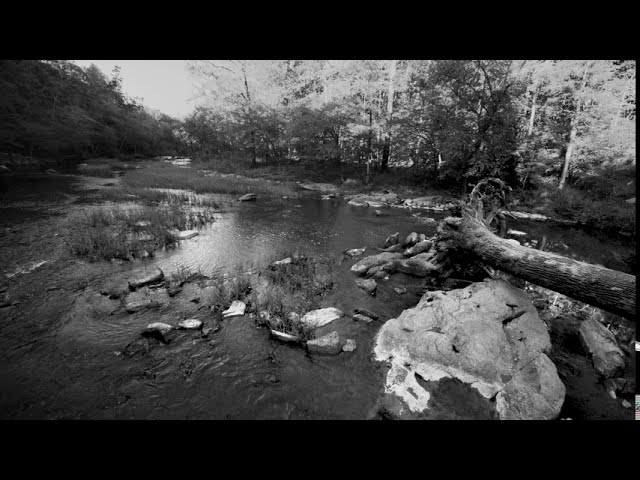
130 232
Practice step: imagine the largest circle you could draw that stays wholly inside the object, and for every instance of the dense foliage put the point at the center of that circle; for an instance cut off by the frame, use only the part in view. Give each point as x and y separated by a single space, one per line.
58 109
454 121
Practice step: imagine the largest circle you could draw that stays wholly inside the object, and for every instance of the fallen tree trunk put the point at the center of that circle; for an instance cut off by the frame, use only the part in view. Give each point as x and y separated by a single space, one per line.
598 286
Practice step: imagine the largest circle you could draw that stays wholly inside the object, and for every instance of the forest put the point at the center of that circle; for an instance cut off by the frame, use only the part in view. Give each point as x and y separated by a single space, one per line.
557 131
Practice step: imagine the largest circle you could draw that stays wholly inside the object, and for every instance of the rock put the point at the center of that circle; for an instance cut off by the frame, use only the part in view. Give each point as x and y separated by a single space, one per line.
173 290
419 247
516 233
154 276
368 285
421 202
374 261
626 404
293 317
421 238
411 240
187 234
358 317
328 197
320 317
349 346
355 252
393 248
264 317
610 386
157 330
236 309
206 332
391 240
190 324
601 345
319 187
351 182
379 213
143 223
133 307
326 345
400 290
487 337
283 261
4 169
419 265
376 200
50 171
620 383
369 314
249 197
285 337
631 200
358 202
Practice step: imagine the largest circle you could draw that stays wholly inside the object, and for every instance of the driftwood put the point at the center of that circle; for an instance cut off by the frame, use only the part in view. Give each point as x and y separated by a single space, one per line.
598 286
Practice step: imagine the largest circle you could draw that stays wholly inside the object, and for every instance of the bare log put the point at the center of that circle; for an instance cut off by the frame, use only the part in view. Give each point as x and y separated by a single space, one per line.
598 286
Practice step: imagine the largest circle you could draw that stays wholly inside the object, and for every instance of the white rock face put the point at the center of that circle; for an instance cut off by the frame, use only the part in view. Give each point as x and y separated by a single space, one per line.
321 317
473 335
236 309
187 234
190 324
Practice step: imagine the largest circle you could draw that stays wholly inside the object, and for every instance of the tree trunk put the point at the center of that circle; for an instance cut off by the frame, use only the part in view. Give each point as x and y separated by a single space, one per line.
598 286
387 135
533 111
574 129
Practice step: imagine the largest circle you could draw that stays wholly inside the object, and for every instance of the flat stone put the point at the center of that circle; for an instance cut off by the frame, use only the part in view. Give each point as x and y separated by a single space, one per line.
320 187
320 317
328 344
349 346
367 313
285 337
626 404
358 317
601 345
190 324
151 277
236 309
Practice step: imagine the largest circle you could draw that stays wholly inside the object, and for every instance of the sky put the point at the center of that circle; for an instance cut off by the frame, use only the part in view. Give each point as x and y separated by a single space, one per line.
164 85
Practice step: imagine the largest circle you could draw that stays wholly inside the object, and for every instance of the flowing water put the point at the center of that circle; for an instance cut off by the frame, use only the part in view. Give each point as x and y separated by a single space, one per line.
62 345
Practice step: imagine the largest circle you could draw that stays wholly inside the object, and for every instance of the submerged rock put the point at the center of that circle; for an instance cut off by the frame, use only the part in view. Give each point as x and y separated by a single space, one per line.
328 344
368 285
349 346
236 309
249 197
601 345
374 261
154 276
358 317
320 317
487 337
190 324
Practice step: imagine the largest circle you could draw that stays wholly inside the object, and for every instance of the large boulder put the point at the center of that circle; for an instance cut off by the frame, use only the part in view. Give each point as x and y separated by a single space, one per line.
486 338
153 276
601 345
328 344
374 261
320 317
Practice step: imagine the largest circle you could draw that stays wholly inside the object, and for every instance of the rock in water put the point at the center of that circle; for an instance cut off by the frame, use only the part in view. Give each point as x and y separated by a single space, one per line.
349 346
157 330
154 276
391 240
190 324
326 345
285 337
236 309
369 285
358 317
355 252
400 290
420 247
284 261
187 234
249 197
321 317
367 313
374 261
487 337
601 345
133 307
411 240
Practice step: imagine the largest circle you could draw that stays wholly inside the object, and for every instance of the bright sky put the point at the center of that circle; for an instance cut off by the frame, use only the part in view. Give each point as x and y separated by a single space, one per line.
164 85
